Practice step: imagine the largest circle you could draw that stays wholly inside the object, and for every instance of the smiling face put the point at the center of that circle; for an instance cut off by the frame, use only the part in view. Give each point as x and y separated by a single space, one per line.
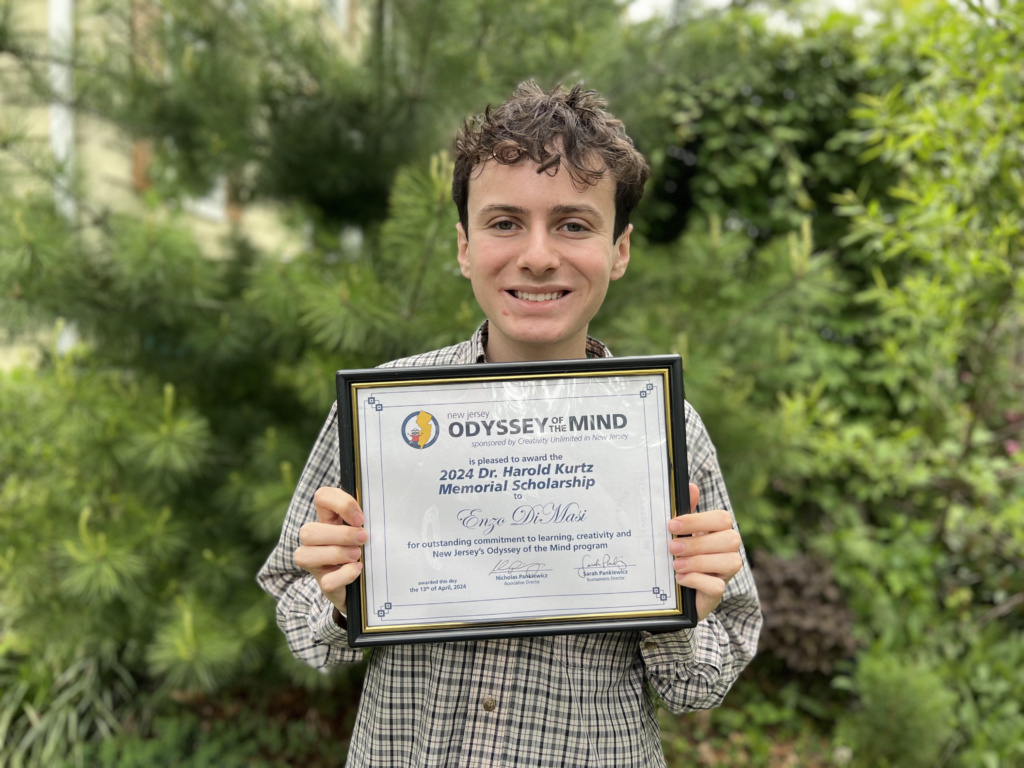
540 254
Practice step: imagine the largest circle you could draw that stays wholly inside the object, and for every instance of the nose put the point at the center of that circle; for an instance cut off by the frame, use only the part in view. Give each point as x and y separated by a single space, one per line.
539 254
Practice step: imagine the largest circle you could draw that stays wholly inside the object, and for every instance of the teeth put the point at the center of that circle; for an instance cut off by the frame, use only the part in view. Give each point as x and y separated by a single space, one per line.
538 296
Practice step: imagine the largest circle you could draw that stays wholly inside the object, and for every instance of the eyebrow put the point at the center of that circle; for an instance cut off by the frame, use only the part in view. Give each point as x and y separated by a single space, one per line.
558 210
487 210
569 210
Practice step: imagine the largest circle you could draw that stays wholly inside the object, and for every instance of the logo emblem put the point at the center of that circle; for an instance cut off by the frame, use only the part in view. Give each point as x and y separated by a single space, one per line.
420 430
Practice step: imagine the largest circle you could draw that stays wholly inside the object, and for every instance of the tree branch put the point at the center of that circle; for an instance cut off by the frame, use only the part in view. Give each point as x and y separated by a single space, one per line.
1003 609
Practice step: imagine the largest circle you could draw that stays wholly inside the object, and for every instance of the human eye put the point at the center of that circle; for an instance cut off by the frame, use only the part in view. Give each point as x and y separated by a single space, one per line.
575 227
504 225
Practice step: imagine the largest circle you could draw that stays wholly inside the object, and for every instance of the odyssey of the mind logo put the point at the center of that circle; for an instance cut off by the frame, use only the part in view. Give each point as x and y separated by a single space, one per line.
420 429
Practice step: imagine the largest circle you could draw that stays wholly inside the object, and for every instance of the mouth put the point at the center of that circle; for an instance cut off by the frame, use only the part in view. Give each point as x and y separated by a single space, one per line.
523 295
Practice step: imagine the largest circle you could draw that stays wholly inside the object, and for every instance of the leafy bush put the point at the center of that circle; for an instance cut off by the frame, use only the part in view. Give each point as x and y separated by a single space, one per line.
835 250
807 623
228 732
906 716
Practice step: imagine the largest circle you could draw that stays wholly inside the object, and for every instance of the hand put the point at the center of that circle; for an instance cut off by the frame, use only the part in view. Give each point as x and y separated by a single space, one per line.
330 547
710 555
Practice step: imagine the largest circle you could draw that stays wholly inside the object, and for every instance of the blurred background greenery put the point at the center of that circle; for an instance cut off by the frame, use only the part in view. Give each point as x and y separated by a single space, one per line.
833 239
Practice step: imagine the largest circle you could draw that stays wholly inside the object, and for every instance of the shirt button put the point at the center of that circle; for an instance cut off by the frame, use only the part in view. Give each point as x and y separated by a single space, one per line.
650 645
490 704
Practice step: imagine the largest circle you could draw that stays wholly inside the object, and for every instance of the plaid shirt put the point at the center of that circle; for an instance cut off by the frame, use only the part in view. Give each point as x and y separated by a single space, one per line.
538 702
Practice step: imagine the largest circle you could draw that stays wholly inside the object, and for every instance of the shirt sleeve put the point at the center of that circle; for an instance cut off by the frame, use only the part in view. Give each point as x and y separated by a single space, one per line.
694 668
304 614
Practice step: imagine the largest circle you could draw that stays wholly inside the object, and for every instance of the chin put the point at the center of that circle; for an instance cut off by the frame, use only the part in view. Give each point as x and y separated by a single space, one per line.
537 334
544 340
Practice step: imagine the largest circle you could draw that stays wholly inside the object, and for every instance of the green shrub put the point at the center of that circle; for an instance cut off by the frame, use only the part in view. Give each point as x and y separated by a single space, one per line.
906 717
847 304
236 737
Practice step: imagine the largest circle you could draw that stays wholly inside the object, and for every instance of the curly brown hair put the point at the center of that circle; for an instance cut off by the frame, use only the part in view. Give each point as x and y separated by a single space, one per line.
534 125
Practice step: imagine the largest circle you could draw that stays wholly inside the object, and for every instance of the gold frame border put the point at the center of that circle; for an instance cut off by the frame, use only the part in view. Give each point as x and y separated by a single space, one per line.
354 387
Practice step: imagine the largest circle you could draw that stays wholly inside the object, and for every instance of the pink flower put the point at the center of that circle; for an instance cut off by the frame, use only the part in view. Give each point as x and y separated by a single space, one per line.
1011 446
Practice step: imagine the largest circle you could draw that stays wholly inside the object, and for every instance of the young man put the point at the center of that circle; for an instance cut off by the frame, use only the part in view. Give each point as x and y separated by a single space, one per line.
544 186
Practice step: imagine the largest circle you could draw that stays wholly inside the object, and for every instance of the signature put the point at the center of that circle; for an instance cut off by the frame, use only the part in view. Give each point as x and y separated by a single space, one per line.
517 566
605 562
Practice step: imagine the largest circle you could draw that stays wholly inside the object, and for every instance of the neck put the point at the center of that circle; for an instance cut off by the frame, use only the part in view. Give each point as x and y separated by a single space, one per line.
503 351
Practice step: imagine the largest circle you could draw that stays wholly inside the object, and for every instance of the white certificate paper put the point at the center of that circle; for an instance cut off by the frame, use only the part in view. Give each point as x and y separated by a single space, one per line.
515 500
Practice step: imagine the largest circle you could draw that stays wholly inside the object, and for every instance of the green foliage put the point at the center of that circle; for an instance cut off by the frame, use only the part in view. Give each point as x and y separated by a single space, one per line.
864 392
759 125
932 480
162 453
907 718
747 323
287 105
750 729
232 733
48 713
987 666
833 245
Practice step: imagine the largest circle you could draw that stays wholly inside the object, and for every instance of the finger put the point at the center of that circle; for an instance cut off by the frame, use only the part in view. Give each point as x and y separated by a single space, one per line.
694 497
334 506
326 534
712 587
709 544
315 559
724 566
710 591
701 522
333 583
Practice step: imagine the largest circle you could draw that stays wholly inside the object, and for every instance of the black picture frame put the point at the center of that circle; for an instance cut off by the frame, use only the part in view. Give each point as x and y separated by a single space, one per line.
680 609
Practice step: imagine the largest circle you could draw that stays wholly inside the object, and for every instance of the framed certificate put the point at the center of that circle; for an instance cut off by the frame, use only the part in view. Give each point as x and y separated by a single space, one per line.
515 499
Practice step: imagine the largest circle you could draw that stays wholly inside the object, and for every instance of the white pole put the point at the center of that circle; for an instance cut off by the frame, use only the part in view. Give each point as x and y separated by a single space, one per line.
62 117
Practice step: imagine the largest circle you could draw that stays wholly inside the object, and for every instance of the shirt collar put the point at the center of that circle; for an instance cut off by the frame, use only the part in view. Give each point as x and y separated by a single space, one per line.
478 345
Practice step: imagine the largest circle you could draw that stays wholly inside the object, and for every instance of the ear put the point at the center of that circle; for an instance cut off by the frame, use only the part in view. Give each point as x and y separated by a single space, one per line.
463 251
621 254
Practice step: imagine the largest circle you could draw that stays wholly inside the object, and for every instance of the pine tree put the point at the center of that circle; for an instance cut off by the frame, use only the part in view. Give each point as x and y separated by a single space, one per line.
146 470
